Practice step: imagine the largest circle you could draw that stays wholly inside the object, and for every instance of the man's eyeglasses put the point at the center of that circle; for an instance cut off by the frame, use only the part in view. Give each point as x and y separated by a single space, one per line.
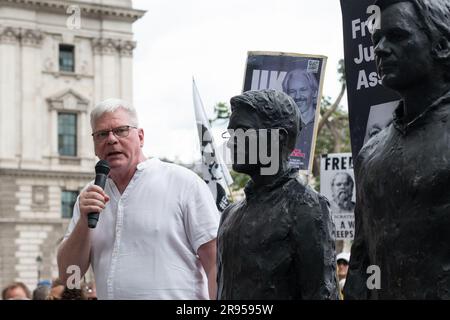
119 132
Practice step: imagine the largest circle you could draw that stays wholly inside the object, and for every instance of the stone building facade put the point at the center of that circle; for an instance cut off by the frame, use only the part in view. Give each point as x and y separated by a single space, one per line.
57 60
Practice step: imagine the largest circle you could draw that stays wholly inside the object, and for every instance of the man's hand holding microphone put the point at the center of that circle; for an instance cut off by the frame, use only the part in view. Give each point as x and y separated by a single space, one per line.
93 200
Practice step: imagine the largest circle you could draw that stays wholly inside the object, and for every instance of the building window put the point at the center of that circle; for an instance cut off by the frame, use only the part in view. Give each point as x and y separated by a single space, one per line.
67 134
68 199
66 58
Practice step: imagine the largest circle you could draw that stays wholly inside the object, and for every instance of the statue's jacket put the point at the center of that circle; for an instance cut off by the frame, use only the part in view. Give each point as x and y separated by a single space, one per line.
402 214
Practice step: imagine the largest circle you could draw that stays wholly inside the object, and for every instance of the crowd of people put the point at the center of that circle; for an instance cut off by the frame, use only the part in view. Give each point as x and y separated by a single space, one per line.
50 290
57 290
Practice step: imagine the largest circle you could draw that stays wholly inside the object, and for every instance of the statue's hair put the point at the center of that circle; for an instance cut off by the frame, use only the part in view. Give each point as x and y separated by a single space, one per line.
275 109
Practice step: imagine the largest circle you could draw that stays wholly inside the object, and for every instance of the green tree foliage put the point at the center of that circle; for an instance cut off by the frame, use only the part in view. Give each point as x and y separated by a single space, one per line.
239 180
222 111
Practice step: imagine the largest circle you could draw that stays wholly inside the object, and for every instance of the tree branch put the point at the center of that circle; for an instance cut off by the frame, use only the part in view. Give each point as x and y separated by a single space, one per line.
332 109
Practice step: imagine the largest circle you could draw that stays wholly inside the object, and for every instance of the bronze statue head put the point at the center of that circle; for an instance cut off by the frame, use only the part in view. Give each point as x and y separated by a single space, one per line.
262 115
412 45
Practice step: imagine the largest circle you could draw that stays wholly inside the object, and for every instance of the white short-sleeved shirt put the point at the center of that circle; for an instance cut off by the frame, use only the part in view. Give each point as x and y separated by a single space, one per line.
146 240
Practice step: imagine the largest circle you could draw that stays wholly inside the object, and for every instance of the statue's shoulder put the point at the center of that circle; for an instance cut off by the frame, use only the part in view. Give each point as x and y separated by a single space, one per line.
373 147
309 207
302 194
306 204
230 210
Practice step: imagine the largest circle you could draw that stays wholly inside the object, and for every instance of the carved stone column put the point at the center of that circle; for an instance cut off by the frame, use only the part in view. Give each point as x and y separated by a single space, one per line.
126 69
32 112
113 60
108 50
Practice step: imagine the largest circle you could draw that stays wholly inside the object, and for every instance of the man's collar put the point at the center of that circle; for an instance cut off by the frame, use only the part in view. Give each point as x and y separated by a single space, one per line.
399 119
146 163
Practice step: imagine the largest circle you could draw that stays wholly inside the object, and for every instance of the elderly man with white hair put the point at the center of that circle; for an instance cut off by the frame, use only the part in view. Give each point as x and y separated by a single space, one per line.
156 236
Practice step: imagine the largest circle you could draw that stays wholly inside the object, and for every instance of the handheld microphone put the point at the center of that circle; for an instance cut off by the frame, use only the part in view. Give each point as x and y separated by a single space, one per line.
101 174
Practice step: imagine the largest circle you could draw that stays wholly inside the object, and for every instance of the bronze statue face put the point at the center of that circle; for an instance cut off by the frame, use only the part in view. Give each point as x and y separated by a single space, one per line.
242 120
403 50
255 148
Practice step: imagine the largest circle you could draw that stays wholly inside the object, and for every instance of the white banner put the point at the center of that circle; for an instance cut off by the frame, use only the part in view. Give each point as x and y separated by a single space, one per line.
337 183
215 172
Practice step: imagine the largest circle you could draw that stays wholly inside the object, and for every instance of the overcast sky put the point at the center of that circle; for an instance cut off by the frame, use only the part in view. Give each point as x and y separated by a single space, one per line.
209 40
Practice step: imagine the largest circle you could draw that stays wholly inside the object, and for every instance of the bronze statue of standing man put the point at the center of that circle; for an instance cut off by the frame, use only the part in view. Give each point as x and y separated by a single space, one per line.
276 243
403 173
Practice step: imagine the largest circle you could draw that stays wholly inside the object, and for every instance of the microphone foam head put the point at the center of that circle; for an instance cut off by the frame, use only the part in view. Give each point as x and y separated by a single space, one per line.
102 167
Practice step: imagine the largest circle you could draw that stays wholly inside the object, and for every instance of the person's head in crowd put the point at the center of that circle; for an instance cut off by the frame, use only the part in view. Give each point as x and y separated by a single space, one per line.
16 291
342 261
342 191
74 294
303 87
56 290
41 292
